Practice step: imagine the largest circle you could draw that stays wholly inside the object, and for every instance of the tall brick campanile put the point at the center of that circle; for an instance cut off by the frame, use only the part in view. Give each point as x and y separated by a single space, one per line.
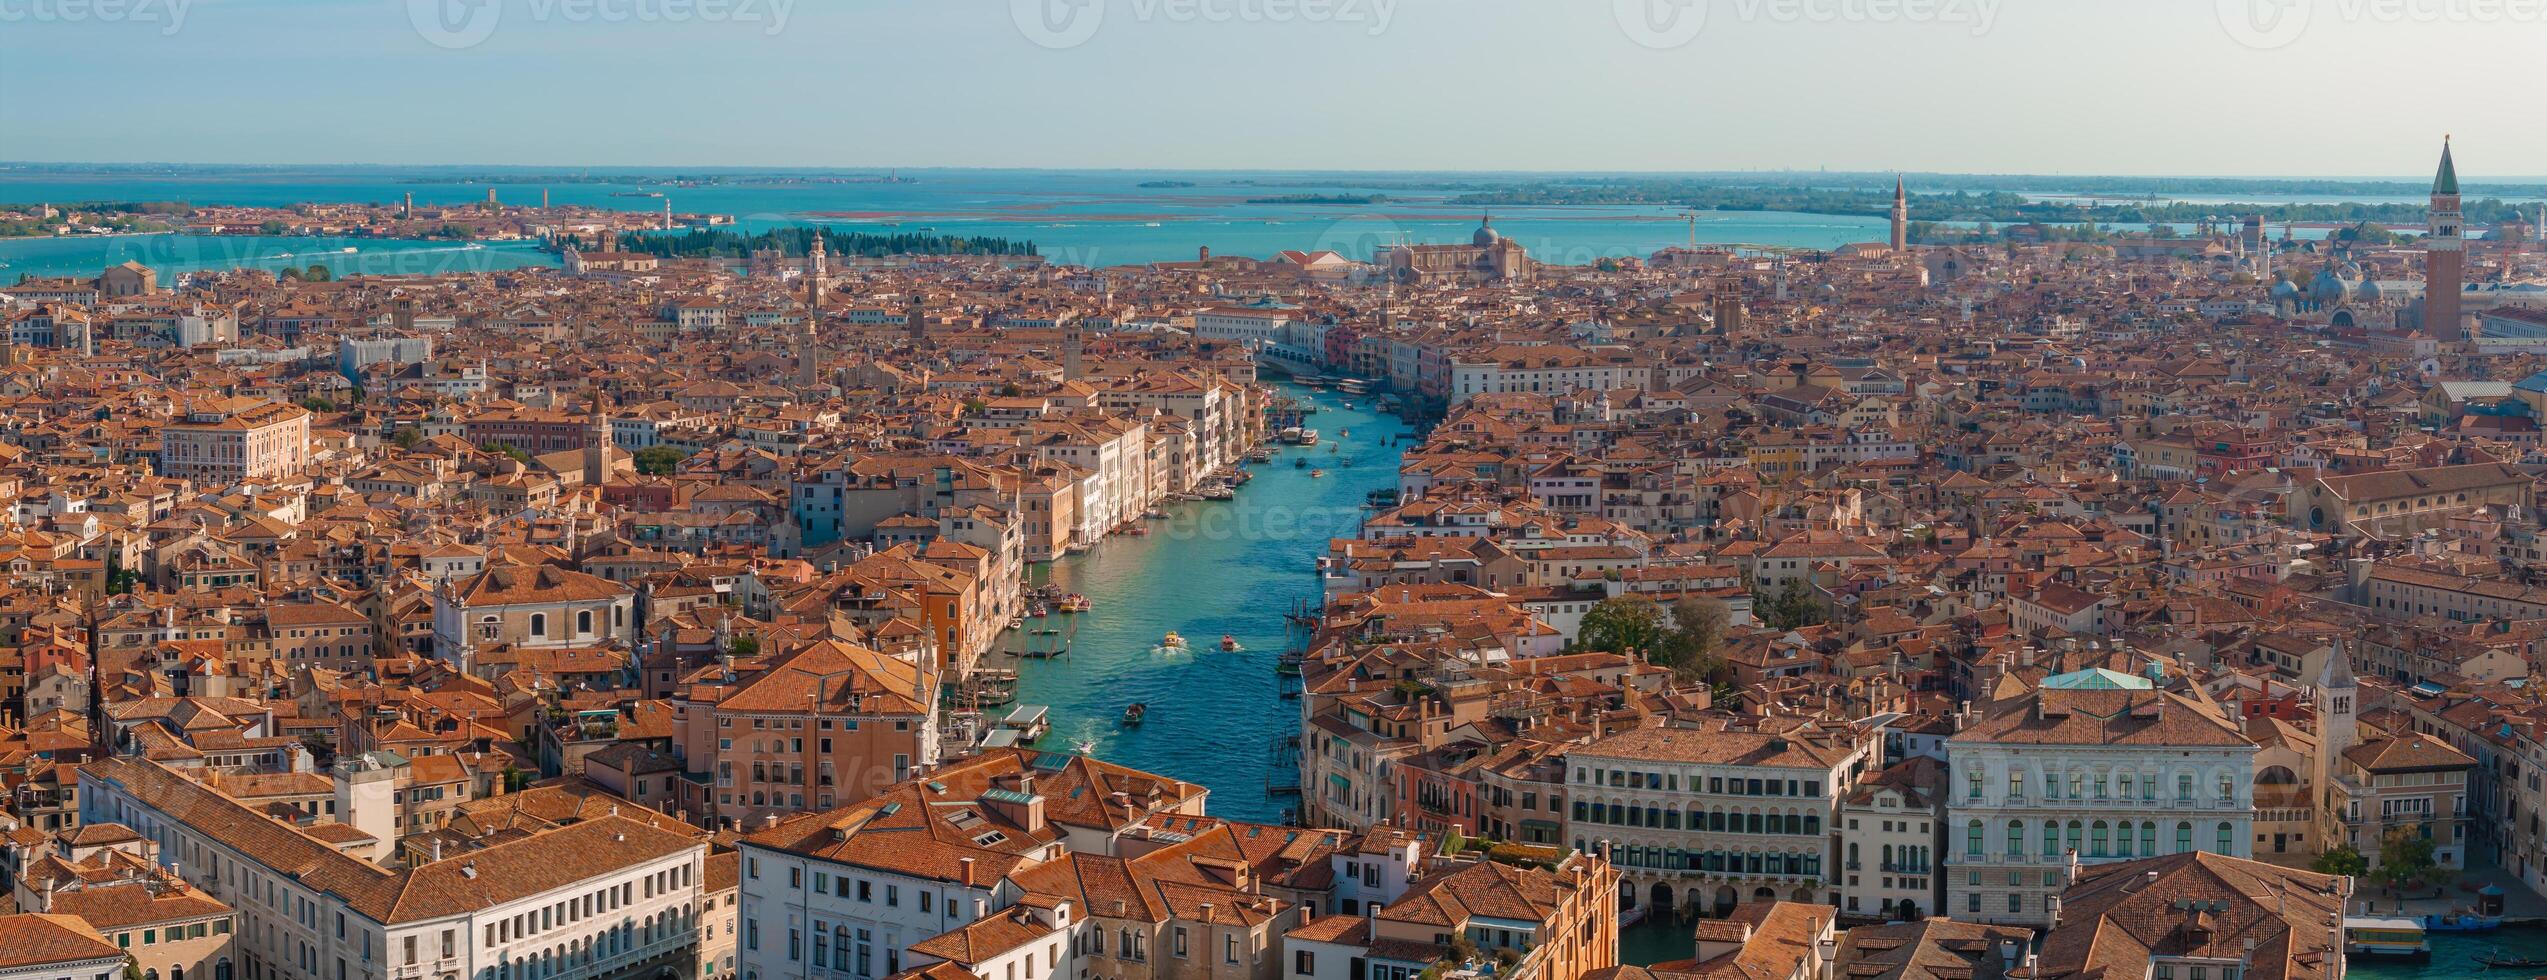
2444 254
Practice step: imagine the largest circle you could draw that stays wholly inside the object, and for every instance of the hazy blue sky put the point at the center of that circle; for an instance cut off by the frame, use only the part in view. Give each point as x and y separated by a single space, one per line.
2036 86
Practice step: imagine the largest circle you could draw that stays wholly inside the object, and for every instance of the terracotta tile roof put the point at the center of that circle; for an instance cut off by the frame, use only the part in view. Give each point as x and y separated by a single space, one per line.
48 940
2197 905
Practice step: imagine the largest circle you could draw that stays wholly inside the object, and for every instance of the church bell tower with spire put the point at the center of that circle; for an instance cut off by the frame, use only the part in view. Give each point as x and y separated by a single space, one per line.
599 450
809 339
1901 215
2444 254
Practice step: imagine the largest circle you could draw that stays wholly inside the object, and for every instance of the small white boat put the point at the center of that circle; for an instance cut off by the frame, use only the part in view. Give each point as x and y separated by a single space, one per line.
1173 643
1229 644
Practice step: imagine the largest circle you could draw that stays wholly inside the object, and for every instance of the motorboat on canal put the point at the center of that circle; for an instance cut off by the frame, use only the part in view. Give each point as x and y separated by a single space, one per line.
1132 716
2386 938
1173 642
1229 644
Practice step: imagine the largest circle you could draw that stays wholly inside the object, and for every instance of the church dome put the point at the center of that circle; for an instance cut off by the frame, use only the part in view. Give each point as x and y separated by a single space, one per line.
2285 289
2329 287
1486 236
2369 291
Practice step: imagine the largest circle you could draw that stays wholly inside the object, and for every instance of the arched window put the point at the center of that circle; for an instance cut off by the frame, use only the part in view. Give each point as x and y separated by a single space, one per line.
1971 840
539 626
2097 843
2051 839
584 621
2148 838
2074 832
2227 840
2016 838
2184 836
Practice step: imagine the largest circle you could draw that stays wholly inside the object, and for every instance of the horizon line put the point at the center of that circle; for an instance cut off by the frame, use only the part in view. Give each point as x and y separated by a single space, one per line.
568 169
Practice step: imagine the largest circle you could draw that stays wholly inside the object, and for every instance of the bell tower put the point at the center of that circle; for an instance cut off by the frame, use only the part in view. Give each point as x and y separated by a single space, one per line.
1901 214
2444 254
809 339
598 449
2338 703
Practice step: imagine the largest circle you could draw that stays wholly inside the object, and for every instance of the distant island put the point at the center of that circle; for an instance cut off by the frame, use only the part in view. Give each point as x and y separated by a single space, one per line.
1994 206
1168 183
717 243
1322 199
662 180
120 217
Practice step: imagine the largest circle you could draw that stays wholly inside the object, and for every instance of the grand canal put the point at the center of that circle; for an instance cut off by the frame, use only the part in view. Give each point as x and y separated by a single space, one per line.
1212 568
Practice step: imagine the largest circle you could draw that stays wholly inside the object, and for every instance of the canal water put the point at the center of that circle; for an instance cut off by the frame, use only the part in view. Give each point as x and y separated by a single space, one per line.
1213 568
2454 956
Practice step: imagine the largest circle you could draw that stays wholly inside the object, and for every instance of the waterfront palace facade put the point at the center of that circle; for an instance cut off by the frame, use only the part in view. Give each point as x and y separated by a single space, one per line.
1714 817
2109 770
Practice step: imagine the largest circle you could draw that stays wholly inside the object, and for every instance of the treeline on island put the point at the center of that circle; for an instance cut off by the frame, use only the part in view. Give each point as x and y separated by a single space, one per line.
1962 206
1321 199
20 220
705 243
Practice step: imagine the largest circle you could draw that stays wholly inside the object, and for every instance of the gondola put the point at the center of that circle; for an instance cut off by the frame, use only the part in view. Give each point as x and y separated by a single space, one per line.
2495 959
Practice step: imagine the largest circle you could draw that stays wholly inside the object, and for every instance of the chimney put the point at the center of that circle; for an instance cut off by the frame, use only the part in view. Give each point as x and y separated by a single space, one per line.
965 875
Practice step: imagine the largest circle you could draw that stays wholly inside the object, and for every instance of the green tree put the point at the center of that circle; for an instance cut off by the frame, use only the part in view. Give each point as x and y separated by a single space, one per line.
1792 608
2405 857
744 647
658 460
317 404
507 449
408 438
318 273
1620 624
1698 626
2343 859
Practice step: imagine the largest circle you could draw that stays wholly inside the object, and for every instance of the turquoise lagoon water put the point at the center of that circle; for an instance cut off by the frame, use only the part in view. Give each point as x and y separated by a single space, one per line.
1076 218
